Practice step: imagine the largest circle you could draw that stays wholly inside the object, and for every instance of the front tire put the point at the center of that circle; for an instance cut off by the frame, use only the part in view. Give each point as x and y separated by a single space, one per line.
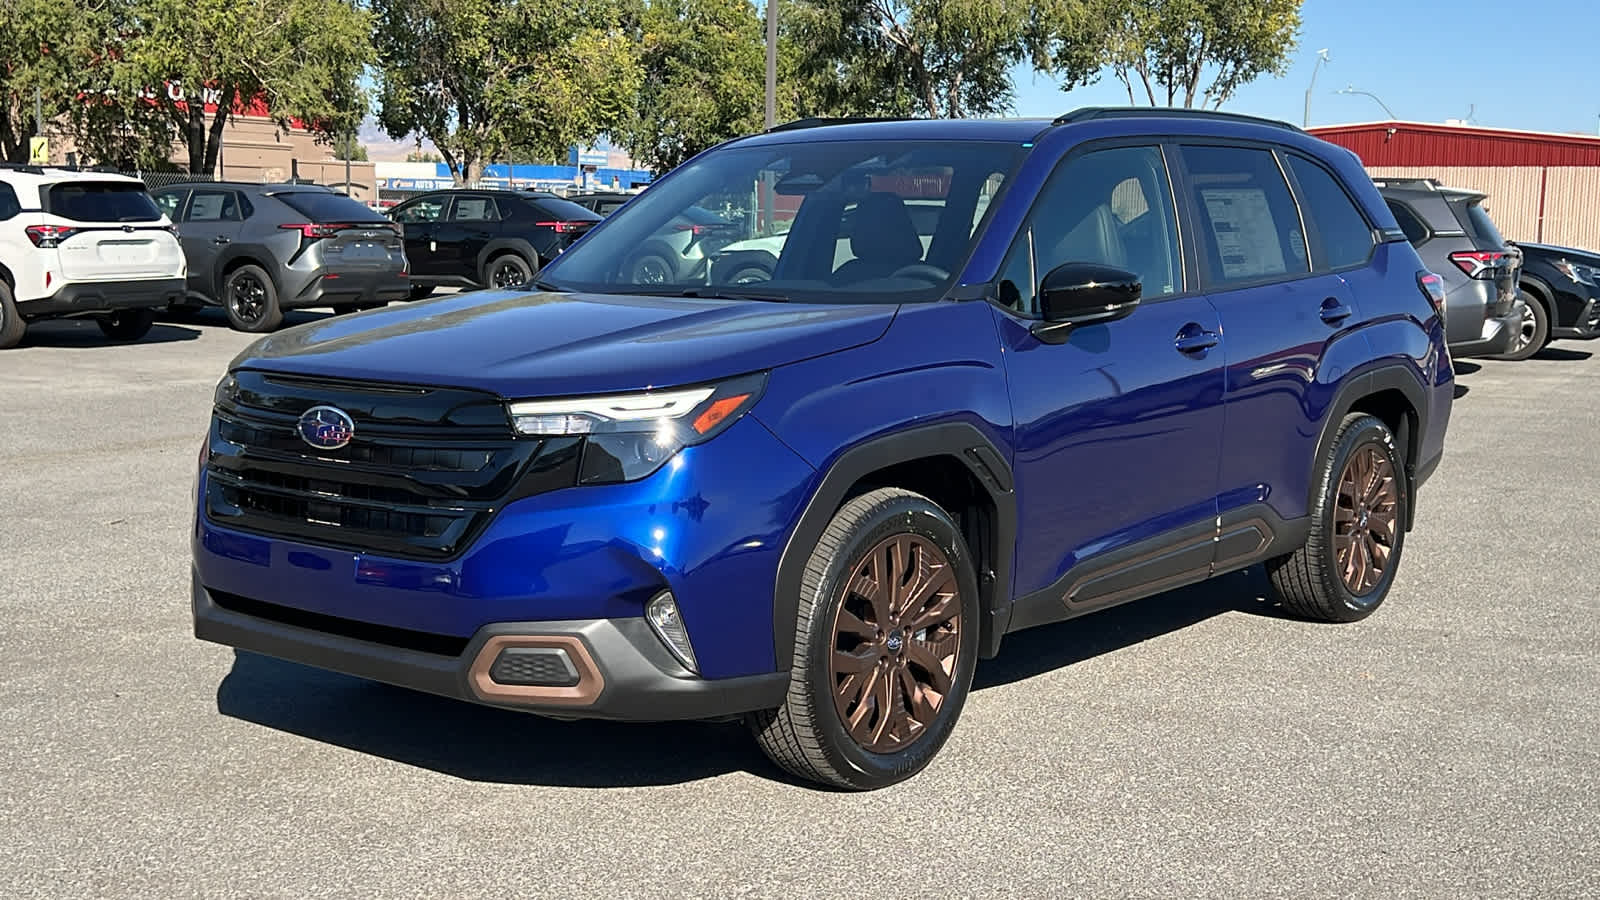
251 300
11 325
127 324
1344 571
1533 332
886 641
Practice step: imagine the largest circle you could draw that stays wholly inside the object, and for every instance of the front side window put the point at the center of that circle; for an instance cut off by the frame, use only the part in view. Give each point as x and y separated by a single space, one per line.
1249 225
821 221
1343 232
1111 207
425 210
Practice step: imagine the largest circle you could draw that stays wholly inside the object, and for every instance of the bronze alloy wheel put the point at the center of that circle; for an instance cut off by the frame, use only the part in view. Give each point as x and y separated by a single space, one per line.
1365 519
896 643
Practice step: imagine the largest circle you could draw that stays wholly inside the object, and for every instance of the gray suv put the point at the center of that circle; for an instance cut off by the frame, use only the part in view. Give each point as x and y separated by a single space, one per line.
1455 237
260 249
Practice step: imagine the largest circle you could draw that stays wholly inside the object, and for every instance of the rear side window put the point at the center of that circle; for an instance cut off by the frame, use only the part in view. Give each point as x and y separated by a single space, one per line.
560 210
1249 228
1343 232
1416 232
322 207
1481 227
9 206
474 209
101 201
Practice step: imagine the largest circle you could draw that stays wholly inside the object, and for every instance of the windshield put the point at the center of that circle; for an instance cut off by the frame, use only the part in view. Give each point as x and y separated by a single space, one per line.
826 222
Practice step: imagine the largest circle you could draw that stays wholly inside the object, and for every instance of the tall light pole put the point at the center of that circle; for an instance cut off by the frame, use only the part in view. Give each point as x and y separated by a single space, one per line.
1351 89
1322 57
772 63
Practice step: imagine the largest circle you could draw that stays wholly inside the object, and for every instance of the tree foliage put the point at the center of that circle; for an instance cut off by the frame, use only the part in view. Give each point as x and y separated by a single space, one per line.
43 43
938 58
348 146
301 57
480 78
1182 52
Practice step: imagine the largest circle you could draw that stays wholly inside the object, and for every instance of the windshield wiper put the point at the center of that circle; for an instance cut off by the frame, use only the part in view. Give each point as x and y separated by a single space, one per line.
724 293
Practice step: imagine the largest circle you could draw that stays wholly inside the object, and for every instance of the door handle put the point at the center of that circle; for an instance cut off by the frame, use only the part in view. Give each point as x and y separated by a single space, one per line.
1334 312
220 239
1196 341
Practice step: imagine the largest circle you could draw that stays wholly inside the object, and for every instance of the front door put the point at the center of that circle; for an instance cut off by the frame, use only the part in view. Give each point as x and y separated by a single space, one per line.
210 223
418 218
1119 426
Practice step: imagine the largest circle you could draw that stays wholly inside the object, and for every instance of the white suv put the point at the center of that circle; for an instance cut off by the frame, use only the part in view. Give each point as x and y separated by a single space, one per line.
83 244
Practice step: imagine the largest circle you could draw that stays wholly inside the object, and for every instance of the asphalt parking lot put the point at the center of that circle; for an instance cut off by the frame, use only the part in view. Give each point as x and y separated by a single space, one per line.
1193 744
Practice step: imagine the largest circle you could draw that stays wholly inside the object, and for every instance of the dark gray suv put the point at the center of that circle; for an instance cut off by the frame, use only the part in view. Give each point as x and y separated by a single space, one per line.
1455 237
260 249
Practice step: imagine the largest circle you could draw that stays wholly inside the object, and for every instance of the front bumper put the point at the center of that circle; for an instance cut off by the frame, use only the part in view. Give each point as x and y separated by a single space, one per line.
85 298
1587 324
617 667
1497 336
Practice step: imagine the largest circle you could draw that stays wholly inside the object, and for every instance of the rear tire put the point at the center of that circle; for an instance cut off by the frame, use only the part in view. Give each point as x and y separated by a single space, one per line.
127 325
1533 331
11 325
251 300
886 641
1344 571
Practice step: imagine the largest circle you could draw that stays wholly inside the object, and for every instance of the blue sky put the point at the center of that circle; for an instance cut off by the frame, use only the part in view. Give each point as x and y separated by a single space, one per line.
1428 60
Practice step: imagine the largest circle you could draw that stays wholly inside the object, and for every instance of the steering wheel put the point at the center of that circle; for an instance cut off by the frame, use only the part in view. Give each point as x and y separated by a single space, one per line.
921 270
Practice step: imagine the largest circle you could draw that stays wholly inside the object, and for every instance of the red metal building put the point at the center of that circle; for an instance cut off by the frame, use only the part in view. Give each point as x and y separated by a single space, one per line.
1542 186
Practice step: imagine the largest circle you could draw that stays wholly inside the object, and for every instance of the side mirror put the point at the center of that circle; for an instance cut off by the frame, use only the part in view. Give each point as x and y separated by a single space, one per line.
1084 294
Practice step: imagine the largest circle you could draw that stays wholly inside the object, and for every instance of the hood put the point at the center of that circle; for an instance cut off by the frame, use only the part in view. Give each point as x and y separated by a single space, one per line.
529 344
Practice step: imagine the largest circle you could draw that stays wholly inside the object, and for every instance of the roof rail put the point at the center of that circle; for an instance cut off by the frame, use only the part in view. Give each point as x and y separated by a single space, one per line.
820 121
22 167
1088 113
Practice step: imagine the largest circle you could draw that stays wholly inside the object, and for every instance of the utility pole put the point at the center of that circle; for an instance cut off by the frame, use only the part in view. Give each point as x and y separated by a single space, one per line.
772 63
1322 57
38 113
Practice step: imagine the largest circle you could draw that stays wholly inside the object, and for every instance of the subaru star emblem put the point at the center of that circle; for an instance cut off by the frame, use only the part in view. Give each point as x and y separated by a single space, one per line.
326 427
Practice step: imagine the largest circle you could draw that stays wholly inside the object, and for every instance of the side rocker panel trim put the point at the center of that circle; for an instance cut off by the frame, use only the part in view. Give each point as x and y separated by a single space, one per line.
954 440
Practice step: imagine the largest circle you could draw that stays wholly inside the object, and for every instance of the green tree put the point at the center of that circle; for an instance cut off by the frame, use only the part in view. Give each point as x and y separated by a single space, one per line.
480 78
704 78
346 146
1184 52
43 44
301 58
938 58
423 156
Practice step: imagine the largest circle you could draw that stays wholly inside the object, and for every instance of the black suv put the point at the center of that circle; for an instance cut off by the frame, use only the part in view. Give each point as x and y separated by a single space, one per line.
603 202
1453 233
1559 288
260 249
476 239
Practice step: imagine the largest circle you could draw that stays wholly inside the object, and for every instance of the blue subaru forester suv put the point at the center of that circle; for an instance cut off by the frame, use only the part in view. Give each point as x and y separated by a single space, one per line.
989 375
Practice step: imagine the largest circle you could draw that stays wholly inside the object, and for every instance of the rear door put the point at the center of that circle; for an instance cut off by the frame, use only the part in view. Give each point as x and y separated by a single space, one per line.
211 221
109 230
472 221
1273 272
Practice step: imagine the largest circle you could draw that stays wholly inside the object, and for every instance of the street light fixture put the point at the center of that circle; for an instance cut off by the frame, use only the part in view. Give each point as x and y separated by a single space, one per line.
1351 89
1322 57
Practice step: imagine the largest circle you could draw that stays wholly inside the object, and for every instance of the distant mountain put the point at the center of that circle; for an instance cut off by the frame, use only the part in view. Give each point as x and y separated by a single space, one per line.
382 148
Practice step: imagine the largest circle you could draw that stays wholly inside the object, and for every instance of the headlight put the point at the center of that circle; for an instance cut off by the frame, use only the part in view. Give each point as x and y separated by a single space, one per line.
629 436
1569 270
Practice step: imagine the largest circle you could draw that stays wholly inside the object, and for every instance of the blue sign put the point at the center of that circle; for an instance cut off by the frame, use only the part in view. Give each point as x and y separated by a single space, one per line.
588 156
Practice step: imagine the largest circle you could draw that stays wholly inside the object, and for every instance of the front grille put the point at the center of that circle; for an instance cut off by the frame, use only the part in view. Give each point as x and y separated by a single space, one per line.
423 474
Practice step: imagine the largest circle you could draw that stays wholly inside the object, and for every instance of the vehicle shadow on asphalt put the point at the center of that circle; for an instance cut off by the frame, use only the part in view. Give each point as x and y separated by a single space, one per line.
216 317
1036 651
66 334
1562 354
481 743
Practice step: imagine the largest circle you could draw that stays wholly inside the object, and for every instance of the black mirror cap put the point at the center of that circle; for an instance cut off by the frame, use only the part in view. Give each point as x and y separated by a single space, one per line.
1079 293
